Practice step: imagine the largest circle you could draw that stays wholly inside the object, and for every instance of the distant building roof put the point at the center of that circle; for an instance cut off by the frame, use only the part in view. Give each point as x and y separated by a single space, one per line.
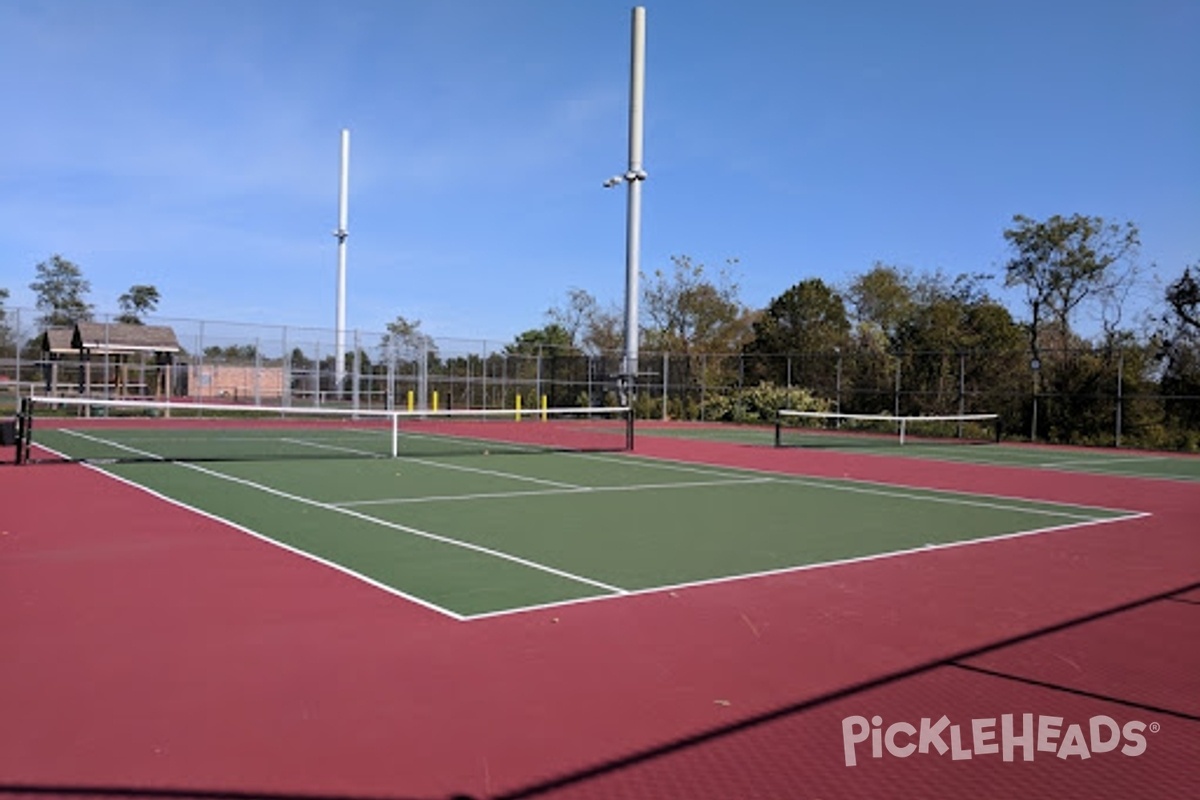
112 337
58 340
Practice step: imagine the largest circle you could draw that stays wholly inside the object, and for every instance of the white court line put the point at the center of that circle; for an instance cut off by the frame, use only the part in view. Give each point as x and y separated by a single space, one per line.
412 598
459 467
1117 460
495 473
948 496
334 447
365 517
801 568
674 466
550 492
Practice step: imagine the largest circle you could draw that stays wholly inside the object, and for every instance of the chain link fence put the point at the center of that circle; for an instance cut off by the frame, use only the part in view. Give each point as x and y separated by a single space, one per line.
1114 396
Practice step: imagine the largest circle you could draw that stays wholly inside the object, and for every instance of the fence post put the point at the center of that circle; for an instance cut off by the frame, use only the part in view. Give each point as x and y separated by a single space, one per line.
285 390
1120 393
390 375
838 382
665 362
316 356
1035 366
16 337
257 371
897 393
962 388
423 376
107 356
200 358
356 373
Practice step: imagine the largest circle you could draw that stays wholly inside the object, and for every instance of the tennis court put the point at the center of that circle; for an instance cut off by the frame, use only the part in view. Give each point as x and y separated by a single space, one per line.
378 607
471 530
972 450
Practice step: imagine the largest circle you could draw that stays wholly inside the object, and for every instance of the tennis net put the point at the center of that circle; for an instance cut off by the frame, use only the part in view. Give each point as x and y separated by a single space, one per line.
832 429
85 429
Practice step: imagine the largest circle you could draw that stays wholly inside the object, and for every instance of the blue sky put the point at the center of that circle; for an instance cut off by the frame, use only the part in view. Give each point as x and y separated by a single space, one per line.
194 145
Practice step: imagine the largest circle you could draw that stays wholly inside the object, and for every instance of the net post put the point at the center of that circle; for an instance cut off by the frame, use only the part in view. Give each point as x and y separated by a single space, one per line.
903 421
25 437
395 434
18 458
778 430
629 428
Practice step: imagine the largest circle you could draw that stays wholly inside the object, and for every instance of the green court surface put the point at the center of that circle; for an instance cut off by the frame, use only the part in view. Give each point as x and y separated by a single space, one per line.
473 535
1123 463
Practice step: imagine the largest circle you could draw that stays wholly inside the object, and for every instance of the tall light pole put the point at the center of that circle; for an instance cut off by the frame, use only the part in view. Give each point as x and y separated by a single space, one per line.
633 177
339 364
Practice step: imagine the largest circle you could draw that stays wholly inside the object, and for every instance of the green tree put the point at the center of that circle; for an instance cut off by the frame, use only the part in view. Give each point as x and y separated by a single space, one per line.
882 298
809 317
548 357
139 301
1179 355
591 328
5 333
798 335
696 318
61 293
406 341
958 349
552 337
688 312
233 353
1183 300
1064 263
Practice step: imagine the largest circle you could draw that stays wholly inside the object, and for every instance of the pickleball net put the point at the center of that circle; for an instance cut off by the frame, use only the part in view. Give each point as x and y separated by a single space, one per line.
97 430
832 429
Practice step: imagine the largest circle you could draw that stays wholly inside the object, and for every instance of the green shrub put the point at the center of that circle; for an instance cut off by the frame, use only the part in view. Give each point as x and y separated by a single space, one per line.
757 404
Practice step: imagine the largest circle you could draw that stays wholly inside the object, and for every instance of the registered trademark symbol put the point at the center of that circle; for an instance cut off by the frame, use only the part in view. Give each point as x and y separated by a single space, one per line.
1155 727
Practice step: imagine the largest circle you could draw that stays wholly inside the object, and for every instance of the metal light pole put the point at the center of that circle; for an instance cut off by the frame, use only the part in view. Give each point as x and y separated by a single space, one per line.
339 366
633 177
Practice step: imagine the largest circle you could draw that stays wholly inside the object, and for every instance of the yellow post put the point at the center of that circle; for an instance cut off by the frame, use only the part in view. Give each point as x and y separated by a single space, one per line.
545 405
518 408
411 400
435 399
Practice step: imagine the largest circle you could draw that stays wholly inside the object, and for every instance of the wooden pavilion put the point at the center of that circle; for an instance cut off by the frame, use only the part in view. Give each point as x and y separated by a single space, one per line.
111 358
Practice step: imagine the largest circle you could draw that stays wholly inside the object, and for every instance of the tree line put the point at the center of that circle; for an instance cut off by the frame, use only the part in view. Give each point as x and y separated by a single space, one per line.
938 336
62 291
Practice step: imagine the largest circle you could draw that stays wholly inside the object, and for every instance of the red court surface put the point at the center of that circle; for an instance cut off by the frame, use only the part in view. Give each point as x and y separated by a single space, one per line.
149 651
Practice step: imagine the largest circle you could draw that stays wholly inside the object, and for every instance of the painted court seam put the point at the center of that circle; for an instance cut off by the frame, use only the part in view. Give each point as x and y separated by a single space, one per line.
803 706
1073 690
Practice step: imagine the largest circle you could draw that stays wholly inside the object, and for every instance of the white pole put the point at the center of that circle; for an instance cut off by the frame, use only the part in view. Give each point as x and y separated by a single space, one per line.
339 369
634 177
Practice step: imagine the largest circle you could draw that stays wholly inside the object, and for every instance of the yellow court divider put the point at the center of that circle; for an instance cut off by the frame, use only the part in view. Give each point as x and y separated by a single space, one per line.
411 400
545 405
518 417
435 406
